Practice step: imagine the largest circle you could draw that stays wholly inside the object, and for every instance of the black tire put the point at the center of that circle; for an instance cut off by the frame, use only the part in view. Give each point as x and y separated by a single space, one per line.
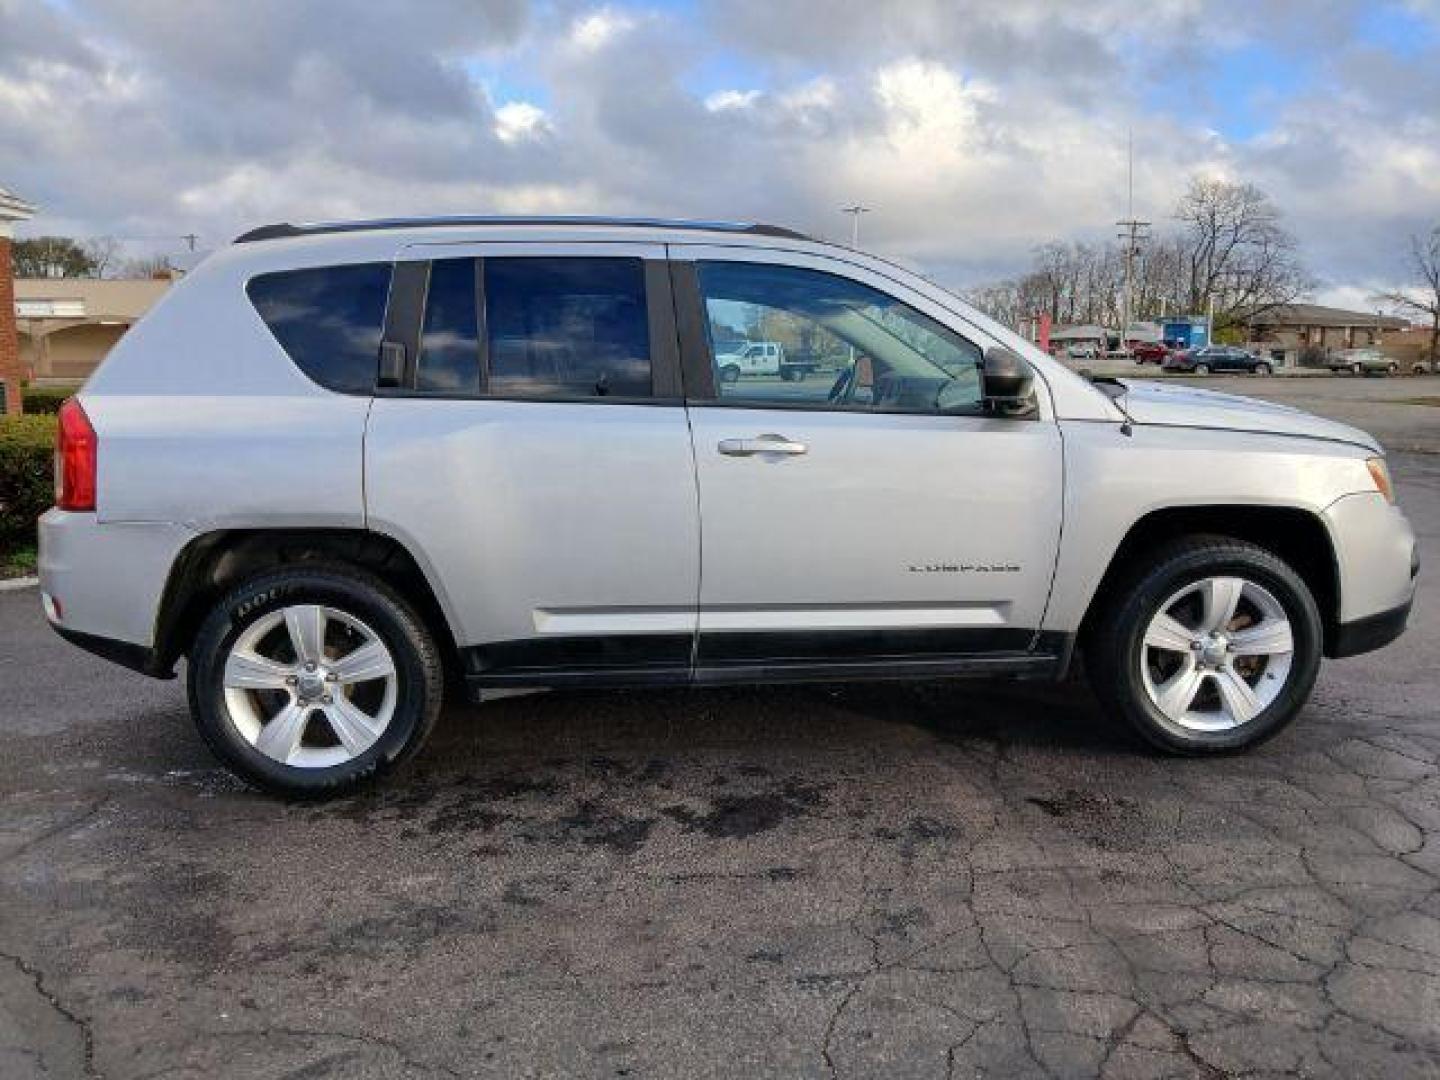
420 676
1202 369
1114 640
1357 369
1262 368
1392 368
787 375
729 374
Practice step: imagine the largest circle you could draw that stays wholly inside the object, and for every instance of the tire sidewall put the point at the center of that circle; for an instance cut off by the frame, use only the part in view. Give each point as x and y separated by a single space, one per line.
250 603
1170 578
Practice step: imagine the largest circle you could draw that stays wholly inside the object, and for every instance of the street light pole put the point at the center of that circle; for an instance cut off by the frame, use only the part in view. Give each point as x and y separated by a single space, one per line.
855 212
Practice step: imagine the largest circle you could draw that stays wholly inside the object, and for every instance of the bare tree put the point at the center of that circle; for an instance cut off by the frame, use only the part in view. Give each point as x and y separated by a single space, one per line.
151 266
1423 297
104 255
1238 255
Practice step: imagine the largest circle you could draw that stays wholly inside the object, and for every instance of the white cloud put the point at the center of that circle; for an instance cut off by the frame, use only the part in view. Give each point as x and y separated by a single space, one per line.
731 99
598 28
518 120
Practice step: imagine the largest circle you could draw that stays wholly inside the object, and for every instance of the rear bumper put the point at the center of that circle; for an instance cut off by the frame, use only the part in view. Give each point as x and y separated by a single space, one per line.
1370 633
125 653
101 584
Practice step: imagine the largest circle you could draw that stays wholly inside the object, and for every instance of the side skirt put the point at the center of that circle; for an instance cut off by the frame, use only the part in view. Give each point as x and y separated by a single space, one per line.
1049 664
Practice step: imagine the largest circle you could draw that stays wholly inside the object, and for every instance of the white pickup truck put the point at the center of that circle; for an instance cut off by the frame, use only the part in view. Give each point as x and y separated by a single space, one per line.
751 358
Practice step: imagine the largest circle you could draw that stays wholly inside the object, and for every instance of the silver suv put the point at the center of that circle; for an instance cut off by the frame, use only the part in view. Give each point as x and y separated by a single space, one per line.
344 466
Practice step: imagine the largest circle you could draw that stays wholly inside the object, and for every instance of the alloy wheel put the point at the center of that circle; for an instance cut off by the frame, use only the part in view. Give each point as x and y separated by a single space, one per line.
1217 653
310 686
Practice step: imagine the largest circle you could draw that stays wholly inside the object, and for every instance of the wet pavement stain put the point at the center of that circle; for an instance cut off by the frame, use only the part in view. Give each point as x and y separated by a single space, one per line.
735 817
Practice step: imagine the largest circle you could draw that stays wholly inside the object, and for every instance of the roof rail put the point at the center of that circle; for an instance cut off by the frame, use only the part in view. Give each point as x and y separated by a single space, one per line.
284 230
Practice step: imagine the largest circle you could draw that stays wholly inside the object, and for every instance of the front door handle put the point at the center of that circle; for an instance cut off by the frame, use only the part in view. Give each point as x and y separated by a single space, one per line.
762 444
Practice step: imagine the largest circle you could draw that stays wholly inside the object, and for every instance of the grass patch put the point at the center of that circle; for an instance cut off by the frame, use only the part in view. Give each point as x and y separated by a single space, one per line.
1433 402
20 562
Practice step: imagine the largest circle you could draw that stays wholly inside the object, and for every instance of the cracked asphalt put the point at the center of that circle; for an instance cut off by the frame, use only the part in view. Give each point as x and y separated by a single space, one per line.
944 880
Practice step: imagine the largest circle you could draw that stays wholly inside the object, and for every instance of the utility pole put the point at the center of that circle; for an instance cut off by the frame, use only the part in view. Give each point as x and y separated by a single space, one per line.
855 212
1133 234
190 239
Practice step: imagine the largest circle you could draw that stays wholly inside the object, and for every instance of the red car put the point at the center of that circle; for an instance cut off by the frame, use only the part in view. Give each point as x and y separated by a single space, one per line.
1149 352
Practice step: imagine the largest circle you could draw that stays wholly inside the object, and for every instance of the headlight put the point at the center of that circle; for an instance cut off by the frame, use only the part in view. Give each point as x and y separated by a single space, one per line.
1380 473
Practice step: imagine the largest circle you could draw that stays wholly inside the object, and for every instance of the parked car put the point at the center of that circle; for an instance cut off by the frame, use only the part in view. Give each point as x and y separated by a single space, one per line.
1082 351
1149 352
1362 362
344 465
1217 358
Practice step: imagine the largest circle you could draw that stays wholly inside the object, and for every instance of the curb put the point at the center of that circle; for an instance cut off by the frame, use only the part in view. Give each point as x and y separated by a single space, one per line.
16 584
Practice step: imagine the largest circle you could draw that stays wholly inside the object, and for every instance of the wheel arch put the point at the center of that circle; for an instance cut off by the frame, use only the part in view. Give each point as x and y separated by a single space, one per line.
1294 534
215 562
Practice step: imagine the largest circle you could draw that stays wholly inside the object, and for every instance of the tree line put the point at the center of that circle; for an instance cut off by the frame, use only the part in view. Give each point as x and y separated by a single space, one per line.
1228 247
66 257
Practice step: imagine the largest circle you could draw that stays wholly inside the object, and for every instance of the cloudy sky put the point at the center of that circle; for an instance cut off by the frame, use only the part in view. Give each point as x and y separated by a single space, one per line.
975 128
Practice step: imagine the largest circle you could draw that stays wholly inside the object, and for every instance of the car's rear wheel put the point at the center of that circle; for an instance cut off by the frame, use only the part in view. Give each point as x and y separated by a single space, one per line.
308 681
1212 645
1263 368
1357 369
1392 368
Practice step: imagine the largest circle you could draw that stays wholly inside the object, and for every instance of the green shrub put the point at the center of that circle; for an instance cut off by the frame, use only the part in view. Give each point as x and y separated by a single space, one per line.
27 470
45 400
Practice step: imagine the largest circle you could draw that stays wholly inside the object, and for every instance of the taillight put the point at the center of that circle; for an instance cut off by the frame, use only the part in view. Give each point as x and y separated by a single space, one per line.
75 459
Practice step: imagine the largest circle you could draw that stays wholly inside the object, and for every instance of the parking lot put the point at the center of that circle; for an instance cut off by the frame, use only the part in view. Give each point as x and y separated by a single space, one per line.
943 880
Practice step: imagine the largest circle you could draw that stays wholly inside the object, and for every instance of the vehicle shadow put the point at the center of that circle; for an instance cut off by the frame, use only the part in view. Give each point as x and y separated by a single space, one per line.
750 721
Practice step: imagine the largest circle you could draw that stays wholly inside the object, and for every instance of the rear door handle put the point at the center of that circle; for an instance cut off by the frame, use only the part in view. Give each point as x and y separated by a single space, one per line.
762 444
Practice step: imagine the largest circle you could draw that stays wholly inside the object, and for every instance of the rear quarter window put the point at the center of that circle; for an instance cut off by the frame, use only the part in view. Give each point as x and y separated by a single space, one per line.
328 319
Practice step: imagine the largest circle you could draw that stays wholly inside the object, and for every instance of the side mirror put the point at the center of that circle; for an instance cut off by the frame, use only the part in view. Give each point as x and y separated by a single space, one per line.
1008 378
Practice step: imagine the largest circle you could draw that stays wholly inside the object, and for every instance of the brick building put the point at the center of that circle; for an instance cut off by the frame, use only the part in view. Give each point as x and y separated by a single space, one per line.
1295 333
13 209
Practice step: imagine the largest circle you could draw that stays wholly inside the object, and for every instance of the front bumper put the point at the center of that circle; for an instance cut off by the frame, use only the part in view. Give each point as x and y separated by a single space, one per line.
1370 633
1378 561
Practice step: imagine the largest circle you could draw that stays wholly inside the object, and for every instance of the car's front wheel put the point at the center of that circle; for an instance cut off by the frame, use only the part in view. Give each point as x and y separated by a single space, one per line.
1212 645
1202 369
307 681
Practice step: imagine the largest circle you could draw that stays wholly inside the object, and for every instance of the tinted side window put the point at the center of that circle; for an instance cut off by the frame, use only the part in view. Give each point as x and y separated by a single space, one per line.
839 344
449 359
567 327
329 319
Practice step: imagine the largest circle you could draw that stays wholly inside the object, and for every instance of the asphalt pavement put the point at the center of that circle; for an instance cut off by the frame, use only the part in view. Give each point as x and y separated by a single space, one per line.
944 880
